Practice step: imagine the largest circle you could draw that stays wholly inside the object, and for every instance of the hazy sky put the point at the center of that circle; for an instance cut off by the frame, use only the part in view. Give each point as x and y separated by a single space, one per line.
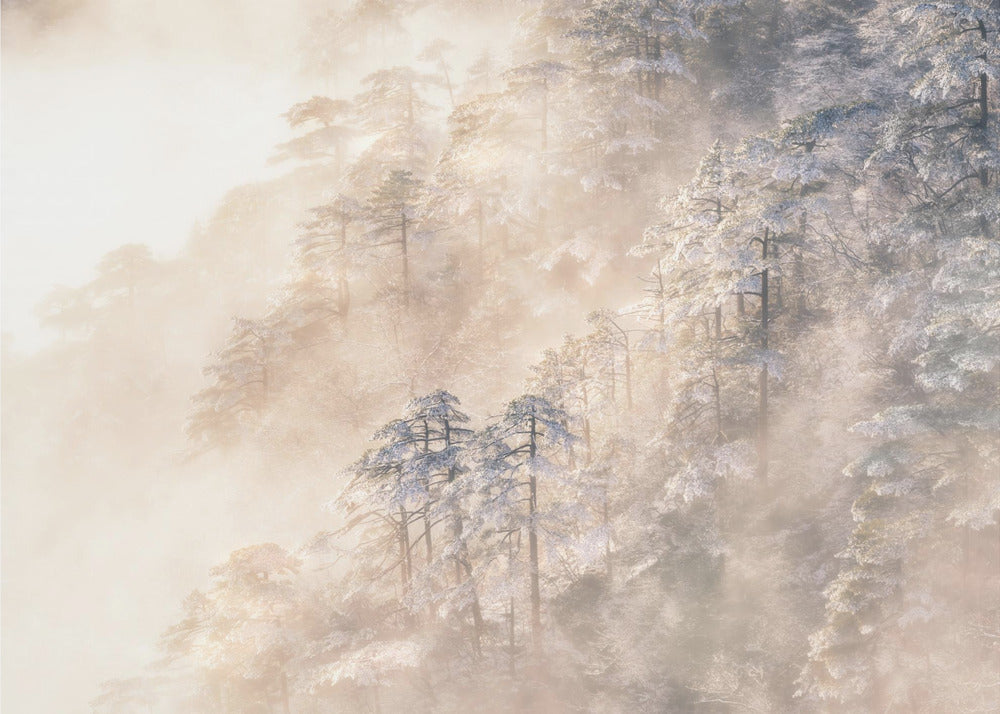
125 121
122 121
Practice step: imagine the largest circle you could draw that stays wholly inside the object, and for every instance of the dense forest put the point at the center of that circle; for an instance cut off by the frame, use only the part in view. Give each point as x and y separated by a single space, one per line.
586 356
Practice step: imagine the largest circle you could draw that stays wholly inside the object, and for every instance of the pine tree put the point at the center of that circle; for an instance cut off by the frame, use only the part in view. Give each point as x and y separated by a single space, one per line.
325 246
243 381
436 52
411 481
929 476
392 211
392 107
244 629
327 129
510 468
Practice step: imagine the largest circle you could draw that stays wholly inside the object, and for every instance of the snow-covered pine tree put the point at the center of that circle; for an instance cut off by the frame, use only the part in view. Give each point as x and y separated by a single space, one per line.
920 557
399 491
511 467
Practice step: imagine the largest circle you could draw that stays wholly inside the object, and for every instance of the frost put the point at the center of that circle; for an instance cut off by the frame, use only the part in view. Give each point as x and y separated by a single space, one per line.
373 664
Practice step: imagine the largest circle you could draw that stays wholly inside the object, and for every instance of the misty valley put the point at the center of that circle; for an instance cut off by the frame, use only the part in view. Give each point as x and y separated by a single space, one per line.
606 356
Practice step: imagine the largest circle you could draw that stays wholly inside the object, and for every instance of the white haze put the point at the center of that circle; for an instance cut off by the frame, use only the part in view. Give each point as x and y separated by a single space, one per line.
126 122
122 122
700 544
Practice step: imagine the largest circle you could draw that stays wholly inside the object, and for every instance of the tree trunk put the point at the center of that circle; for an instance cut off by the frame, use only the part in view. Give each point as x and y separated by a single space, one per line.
429 550
481 226
717 399
427 506
510 637
762 407
462 559
779 282
426 517
984 106
405 563
447 81
545 115
536 597
606 515
510 616
628 374
401 542
800 284
406 262
477 611
343 289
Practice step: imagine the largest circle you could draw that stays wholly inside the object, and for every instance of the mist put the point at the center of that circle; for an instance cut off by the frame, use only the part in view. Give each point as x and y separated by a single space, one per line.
128 119
521 356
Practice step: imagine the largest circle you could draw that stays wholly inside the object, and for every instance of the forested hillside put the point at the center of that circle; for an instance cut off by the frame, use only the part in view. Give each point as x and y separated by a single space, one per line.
589 356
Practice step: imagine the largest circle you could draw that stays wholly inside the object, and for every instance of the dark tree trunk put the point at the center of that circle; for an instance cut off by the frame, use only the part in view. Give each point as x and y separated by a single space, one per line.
984 105
427 506
447 81
762 435
406 565
477 612
511 640
536 597
462 558
717 400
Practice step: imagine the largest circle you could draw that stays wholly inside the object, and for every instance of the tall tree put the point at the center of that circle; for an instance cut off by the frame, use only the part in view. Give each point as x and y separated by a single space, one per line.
393 108
392 213
510 461
929 476
325 245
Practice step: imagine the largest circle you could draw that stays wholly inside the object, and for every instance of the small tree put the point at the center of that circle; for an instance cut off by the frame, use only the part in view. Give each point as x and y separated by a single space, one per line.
326 129
243 375
392 210
325 247
244 629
